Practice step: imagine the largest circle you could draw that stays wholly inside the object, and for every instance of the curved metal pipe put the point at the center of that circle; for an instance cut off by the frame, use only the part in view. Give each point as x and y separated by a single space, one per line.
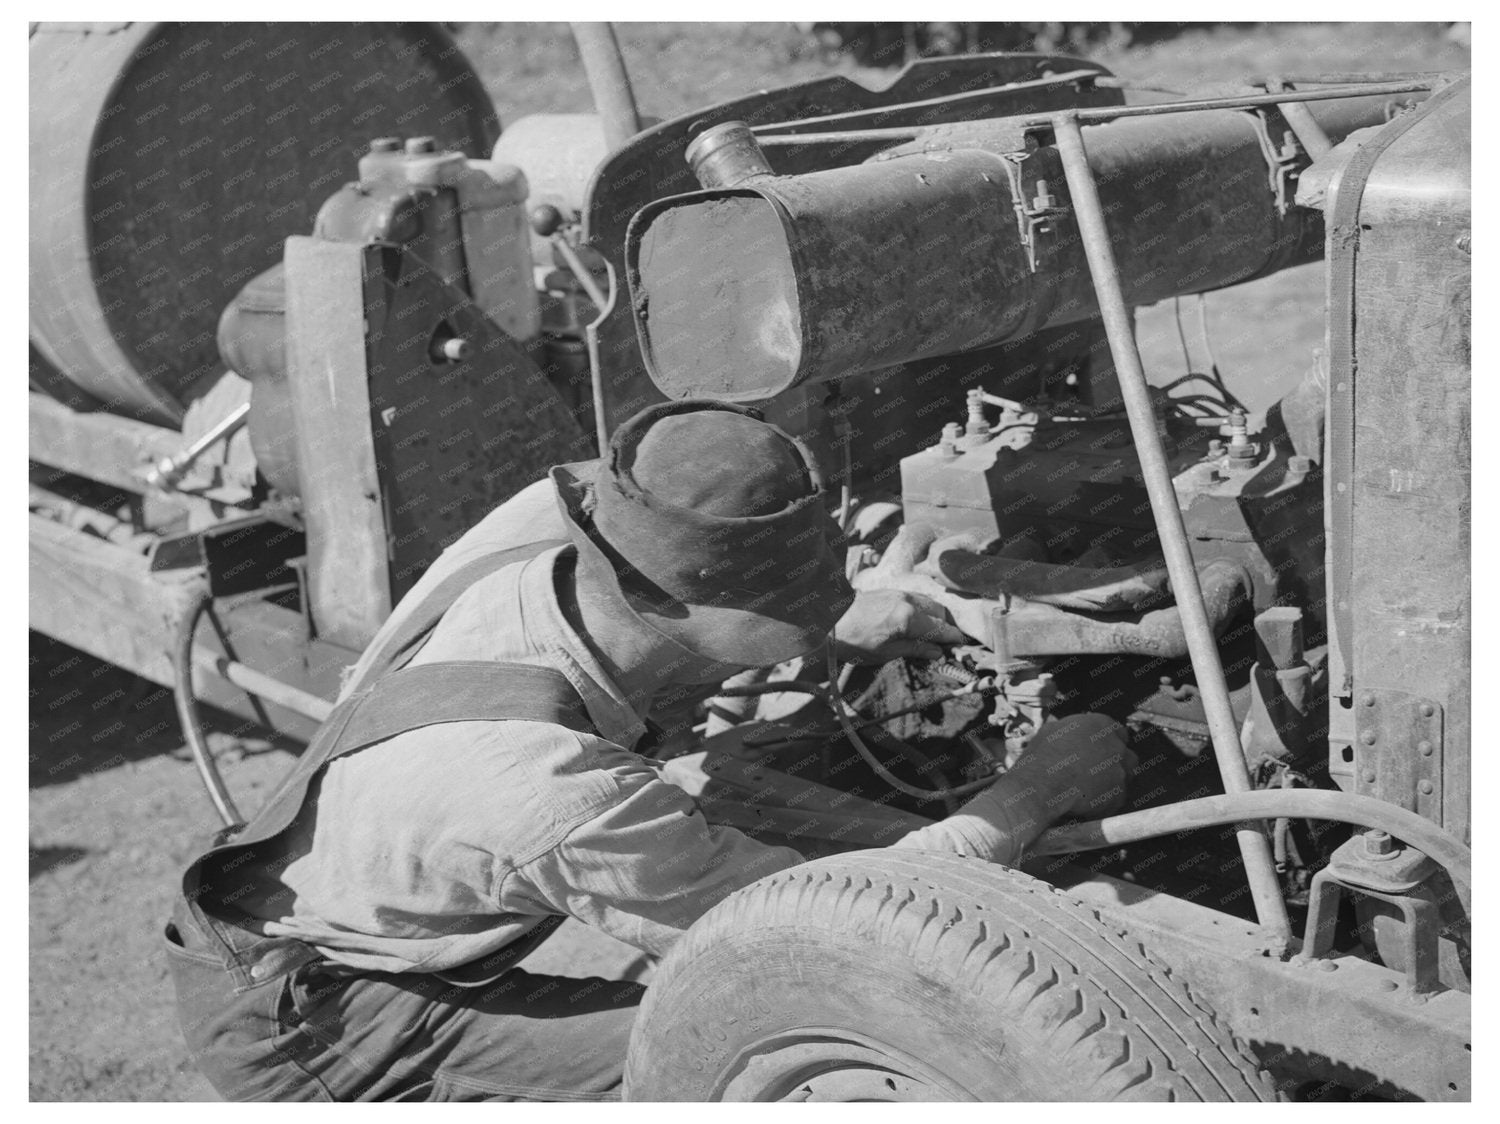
947 793
1046 630
608 80
1091 589
1267 804
188 716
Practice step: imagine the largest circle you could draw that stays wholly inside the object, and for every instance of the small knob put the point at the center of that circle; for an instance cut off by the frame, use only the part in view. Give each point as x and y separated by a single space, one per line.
385 144
546 220
418 146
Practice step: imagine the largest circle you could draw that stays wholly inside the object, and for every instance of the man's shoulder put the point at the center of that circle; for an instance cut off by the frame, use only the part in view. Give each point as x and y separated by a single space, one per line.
531 515
530 781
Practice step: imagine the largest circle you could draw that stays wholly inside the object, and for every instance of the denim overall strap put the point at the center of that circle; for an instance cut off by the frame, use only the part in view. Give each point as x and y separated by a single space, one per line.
397 649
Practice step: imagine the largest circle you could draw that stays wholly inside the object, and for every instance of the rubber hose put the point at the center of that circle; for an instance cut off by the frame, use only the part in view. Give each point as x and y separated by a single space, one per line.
188 716
1267 804
923 764
841 709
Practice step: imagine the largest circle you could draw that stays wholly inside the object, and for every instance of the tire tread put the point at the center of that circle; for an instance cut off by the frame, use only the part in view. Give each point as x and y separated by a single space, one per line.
1051 959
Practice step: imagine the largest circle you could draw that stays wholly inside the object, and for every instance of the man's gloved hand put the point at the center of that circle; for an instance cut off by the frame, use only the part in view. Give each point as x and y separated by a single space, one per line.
887 624
1081 763
1074 766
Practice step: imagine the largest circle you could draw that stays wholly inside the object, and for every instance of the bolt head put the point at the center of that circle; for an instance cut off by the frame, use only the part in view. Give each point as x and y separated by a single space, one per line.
1369 698
417 146
1424 748
1368 737
1425 788
1379 843
1427 710
1369 776
385 144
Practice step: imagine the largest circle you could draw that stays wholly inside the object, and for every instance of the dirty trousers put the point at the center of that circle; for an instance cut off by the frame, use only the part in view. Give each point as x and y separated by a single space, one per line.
298 1027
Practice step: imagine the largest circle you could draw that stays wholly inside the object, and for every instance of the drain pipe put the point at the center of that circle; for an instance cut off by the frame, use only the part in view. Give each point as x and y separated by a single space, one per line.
605 67
1255 849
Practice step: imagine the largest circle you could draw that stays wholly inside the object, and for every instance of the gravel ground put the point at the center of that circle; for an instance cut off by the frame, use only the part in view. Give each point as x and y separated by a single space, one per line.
115 805
115 810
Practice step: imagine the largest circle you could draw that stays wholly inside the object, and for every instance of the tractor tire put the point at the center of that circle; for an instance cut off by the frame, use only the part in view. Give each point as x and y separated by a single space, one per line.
909 975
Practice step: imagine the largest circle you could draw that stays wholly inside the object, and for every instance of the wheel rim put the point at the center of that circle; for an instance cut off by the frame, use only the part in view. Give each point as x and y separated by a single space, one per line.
831 1064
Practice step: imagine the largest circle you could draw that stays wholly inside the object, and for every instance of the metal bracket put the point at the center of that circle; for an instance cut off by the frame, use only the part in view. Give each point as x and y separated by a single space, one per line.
1398 750
1356 867
1284 161
1036 215
239 556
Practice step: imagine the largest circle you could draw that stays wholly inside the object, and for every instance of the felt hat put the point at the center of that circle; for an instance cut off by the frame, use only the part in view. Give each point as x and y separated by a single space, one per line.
713 526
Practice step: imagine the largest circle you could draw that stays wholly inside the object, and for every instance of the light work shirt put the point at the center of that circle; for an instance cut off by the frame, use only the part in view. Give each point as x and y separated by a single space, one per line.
444 844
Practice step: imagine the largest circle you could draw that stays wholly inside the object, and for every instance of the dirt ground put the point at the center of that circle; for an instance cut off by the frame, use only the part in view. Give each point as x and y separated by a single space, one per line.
115 805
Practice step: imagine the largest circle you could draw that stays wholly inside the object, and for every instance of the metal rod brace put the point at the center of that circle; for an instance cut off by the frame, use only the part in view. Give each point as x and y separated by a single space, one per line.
1255 848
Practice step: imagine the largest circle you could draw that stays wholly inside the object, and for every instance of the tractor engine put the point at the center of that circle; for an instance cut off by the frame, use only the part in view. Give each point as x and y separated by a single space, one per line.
936 295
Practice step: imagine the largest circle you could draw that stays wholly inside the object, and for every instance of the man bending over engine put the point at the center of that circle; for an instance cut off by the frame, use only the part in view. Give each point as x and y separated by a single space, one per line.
477 784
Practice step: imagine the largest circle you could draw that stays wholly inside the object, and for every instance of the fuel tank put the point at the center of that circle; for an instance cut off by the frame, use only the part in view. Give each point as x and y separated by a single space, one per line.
168 163
960 238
